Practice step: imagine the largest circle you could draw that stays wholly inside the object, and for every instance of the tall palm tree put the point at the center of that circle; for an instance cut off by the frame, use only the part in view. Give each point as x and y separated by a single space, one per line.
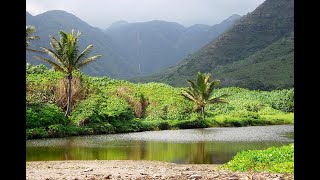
66 57
201 91
29 31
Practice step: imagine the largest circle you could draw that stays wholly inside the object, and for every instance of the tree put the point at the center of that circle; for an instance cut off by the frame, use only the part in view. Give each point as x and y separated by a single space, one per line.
29 31
201 91
66 58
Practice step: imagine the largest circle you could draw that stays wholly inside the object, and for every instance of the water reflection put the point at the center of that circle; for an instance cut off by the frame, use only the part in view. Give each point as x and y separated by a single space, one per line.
194 153
141 146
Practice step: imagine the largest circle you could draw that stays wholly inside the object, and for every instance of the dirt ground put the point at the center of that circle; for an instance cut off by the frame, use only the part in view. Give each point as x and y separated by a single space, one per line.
129 169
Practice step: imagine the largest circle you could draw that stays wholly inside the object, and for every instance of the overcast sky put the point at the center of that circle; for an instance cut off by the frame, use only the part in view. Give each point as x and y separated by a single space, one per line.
101 13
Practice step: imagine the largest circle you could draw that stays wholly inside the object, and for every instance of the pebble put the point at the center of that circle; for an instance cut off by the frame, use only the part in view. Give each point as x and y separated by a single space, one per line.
87 170
195 176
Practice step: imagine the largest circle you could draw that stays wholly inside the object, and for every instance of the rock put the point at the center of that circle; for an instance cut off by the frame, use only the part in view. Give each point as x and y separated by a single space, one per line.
157 176
76 179
118 176
87 170
107 176
256 177
143 173
233 178
278 178
195 176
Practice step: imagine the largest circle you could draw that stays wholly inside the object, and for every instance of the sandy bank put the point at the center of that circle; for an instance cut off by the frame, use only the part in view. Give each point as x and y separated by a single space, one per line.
128 169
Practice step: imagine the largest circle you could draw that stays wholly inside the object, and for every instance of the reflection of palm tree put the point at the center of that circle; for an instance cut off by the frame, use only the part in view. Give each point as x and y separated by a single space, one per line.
67 149
199 155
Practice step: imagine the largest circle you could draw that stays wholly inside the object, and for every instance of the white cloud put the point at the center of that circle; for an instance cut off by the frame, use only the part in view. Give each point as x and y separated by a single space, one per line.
102 13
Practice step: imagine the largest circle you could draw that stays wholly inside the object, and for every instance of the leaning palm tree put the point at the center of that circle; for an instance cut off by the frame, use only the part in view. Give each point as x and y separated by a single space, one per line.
201 91
29 36
66 58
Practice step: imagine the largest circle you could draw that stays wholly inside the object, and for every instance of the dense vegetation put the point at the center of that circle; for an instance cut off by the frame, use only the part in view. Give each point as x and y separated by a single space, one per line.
104 105
256 53
273 159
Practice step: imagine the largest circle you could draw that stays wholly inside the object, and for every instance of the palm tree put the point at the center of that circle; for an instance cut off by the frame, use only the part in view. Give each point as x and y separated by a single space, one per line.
66 58
201 91
29 31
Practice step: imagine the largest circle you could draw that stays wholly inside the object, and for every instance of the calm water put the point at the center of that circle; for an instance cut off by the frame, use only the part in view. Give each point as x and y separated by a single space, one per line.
209 145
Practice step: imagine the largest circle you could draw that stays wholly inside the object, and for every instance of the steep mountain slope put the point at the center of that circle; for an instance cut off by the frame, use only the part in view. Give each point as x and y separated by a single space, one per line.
49 23
267 31
128 49
154 45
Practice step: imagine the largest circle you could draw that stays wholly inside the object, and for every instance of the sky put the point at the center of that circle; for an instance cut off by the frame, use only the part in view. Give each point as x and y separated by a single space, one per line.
102 13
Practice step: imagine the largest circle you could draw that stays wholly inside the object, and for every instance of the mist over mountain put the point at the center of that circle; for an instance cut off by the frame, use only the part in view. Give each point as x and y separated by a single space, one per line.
128 49
154 45
51 22
256 52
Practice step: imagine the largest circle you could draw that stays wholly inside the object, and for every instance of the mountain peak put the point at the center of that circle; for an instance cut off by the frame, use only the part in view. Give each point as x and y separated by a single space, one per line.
118 24
232 18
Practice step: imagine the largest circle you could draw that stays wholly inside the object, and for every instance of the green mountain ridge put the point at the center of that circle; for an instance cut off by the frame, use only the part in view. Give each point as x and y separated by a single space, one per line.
51 22
127 49
267 31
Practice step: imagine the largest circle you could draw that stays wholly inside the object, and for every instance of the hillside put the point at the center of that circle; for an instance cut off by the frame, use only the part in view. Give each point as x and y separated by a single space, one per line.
128 49
154 45
49 23
256 35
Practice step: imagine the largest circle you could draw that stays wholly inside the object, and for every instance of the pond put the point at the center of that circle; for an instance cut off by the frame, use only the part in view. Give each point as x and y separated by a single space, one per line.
192 146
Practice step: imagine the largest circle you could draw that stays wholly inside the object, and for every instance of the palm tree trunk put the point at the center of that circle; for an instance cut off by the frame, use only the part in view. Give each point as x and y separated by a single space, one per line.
202 112
69 95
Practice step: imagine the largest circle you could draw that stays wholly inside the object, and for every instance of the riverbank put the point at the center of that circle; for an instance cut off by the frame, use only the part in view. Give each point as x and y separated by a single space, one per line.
129 169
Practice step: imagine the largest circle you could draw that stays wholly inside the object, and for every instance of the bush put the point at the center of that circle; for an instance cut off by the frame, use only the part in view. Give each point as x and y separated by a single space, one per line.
44 115
102 128
59 130
100 108
274 159
36 133
189 124
38 69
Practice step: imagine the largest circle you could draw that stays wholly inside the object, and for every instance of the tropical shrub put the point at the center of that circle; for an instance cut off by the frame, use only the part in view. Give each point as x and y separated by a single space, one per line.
273 159
44 115
101 108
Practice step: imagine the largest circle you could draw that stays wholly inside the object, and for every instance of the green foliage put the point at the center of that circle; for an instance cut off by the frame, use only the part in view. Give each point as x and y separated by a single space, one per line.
113 106
59 130
36 133
101 108
189 124
283 100
43 115
39 69
274 159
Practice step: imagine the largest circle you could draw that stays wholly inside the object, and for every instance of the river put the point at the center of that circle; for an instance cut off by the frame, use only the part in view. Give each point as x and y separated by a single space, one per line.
191 146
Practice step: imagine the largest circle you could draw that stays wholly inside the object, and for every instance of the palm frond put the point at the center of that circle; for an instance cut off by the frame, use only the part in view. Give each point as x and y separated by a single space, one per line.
220 99
56 66
87 61
83 54
34 50
188 96
55 56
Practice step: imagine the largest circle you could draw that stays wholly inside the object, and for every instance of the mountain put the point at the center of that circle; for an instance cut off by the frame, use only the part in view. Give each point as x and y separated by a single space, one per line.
257 52
154 45
128 49
49 23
